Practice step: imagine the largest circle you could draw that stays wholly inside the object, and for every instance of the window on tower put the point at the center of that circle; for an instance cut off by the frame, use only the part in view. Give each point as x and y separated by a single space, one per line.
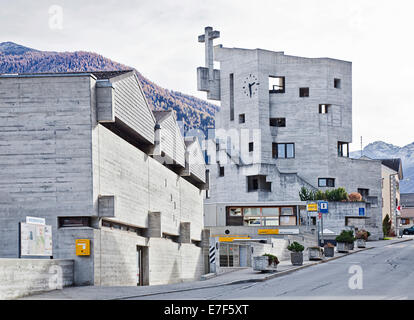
283 150
324 108
251 147
242 118
276 84
343 149
326 182
303 92
277 122
337 83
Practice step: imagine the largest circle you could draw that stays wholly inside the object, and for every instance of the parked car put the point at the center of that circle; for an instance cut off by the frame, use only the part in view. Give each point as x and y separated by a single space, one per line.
409 230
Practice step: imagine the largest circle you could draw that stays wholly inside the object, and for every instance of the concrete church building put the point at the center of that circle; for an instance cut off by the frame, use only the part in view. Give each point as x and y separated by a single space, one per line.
285 122
85 152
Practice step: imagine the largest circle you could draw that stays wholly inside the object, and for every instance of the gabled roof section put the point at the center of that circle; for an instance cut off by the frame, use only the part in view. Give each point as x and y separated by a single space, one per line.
103 75
195 159
168 138
394 164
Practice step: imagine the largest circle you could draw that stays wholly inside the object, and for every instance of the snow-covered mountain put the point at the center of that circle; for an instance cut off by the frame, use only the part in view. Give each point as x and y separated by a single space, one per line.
382 150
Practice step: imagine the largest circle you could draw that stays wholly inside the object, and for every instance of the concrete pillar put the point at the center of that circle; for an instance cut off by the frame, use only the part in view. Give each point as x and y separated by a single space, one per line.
185 235
154 225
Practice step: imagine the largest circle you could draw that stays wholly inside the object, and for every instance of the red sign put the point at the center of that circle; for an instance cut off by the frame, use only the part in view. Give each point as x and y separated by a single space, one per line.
320 215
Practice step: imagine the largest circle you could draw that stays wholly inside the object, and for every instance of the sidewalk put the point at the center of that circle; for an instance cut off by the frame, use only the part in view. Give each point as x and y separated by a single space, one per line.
235 277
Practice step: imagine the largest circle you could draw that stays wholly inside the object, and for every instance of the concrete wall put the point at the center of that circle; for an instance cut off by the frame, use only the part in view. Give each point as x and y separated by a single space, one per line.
171 262
45 152
21 277
115 258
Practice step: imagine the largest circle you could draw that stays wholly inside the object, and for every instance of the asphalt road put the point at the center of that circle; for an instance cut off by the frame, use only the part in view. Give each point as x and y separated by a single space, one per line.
379 273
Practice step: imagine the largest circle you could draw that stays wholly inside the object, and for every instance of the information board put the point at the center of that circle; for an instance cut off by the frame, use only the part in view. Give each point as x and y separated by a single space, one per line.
35 240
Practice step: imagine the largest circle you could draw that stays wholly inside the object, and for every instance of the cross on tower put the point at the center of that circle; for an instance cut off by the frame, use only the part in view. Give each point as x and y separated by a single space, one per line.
208 38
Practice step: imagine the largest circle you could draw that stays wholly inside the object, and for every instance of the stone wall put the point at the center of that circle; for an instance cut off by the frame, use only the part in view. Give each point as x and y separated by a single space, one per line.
21 277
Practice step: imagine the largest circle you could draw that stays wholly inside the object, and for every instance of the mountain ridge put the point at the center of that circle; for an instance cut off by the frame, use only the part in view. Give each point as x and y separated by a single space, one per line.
383 150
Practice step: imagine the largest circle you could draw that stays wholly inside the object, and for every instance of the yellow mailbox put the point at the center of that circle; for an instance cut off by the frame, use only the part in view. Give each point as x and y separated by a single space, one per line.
83 247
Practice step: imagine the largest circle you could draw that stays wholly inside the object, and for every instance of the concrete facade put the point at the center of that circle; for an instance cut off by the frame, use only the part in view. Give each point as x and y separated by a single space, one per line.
285 122
81 146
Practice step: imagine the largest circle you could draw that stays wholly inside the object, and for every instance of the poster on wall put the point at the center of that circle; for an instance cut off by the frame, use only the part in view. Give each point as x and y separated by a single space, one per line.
35 240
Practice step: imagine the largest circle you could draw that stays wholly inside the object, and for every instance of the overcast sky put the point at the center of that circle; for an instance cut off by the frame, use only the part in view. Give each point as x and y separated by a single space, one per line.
159 38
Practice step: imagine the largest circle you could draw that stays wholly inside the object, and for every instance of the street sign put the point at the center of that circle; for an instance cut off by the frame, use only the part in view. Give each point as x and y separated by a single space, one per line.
323 206
320 215
361 212
312 207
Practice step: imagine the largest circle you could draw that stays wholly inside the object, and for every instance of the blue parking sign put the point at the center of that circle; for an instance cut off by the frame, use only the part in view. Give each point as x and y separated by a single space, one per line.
323 206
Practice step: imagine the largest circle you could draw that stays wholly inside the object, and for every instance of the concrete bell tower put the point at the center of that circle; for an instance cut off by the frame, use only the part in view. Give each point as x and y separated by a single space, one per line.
208 78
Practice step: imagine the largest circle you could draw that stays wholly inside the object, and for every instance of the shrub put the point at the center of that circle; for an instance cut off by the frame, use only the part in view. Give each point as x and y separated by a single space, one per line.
362 234
339 194
296 247
346 236
355 197
272 259
386 226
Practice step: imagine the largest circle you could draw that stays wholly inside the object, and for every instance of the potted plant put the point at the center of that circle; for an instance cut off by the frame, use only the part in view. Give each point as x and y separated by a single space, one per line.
315 253
329 250
361 237
266 262
344 241
296 253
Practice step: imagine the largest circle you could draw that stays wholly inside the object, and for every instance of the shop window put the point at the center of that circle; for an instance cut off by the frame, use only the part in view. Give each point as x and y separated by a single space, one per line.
242 118
276 84
287 216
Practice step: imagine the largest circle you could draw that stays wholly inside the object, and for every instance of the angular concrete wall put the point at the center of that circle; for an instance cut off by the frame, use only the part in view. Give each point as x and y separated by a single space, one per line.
21 277
171 262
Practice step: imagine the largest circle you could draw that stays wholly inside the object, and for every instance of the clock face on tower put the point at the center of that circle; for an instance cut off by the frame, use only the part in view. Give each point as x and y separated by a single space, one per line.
250 85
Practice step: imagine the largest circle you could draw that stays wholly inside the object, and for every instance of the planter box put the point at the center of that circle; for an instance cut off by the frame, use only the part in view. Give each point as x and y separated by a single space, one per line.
361 243
296 258
351 245
342 247
329 252
262 264
315 254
